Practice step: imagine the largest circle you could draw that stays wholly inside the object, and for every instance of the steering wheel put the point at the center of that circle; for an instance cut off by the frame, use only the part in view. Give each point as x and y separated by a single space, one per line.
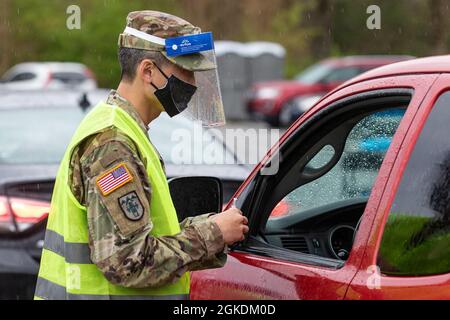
342 253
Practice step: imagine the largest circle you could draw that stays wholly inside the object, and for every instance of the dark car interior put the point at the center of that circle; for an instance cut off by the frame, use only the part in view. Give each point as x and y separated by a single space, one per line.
319 234
326 231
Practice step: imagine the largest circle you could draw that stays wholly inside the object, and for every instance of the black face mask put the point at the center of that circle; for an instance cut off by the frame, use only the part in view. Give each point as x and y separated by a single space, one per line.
175 95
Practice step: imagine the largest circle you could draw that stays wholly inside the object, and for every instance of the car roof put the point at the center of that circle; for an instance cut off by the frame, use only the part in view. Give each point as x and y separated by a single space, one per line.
366 60
435 64
36 99
51 66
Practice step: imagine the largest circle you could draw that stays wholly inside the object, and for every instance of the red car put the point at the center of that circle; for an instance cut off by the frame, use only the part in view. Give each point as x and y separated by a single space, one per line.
267 100
354 202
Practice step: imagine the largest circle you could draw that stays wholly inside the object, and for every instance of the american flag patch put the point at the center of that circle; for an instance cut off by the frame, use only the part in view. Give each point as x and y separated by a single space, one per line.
114 179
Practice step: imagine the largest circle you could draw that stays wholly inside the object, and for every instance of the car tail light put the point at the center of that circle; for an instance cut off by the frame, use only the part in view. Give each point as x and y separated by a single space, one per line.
88 73
29 210
49 79
4 210
18 214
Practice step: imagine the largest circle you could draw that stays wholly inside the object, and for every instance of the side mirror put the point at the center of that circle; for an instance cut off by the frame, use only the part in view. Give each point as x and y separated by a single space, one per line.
193 196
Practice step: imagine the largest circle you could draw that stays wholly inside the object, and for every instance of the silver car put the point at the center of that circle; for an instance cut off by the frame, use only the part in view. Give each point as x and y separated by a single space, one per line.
48 75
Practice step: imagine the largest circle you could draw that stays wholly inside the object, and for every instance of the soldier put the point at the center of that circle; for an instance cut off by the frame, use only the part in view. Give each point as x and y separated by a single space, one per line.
112 231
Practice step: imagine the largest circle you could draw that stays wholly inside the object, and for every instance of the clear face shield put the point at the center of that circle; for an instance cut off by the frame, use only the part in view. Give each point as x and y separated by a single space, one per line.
206 104
194 53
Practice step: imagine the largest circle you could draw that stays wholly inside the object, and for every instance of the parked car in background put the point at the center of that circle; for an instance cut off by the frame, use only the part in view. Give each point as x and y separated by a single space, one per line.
281 102
48 75
384 135
35 128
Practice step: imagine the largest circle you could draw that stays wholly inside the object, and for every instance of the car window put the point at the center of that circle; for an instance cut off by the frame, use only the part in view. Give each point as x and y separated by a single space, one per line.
342 74
36 135
320 217
69 77
22 77
314 73
354 174
416 238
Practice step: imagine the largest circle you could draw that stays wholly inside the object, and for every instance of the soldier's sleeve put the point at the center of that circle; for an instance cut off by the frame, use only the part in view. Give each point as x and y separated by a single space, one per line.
216 261
119 221
189 220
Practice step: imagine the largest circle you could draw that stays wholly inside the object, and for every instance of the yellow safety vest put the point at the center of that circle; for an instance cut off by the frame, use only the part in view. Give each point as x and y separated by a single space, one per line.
66 270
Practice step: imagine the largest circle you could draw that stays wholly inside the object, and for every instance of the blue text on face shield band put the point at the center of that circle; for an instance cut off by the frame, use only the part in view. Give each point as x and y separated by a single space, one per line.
189 44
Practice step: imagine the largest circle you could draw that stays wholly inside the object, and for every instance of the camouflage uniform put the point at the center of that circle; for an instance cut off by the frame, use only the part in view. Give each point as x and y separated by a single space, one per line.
123 249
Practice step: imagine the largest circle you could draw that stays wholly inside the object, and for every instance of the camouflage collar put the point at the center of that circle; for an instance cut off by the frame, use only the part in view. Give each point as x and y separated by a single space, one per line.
114 98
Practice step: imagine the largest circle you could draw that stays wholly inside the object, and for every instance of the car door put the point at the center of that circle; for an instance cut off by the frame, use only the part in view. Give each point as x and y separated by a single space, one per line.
407 256
258 268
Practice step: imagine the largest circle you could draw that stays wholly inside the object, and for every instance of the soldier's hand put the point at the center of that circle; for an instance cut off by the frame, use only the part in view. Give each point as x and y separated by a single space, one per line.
232 224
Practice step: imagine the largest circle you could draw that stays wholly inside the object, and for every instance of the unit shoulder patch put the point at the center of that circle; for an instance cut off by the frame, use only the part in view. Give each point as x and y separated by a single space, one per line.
131 206
113 179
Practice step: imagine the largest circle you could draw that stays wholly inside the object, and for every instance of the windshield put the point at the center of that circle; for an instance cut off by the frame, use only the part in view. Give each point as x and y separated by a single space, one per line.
353 176
36 136
182 141
314 73
41 135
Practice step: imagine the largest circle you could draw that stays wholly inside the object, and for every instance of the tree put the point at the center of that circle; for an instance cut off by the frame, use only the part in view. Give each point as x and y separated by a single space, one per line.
322 20
309 29
439 26
224 18
5 35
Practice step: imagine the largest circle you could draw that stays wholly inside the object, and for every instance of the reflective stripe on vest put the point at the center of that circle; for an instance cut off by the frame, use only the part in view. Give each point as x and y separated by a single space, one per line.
52 291
72 252
66 270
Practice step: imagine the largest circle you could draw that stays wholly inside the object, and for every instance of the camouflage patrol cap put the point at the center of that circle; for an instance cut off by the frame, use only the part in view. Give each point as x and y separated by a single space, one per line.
163 25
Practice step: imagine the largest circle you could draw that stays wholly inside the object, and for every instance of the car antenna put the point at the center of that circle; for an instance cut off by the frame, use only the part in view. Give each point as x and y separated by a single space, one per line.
84 102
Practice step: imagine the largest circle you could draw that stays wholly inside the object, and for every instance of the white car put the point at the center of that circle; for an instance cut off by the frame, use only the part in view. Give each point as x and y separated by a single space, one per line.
48 75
